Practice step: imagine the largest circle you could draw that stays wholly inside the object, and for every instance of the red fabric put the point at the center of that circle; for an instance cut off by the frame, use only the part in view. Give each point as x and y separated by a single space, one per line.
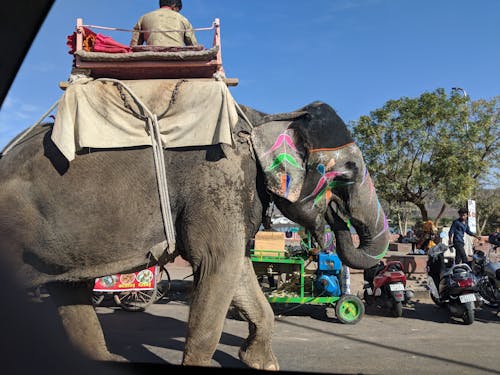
107 44
96 43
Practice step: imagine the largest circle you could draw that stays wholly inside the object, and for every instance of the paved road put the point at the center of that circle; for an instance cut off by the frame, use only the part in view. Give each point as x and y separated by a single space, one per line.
425 340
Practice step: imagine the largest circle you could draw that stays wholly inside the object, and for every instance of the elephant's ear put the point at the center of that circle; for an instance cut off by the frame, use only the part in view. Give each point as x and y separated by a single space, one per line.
282 158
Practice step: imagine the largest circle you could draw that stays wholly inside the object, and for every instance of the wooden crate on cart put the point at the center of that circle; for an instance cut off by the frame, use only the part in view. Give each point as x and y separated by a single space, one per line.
271 244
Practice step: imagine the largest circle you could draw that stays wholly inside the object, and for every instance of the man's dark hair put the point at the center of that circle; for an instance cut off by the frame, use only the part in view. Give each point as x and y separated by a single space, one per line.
171 3
462 210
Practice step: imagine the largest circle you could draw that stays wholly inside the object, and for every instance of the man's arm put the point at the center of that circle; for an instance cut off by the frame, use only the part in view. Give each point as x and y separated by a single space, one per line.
451 233
137 37
189 37
469 232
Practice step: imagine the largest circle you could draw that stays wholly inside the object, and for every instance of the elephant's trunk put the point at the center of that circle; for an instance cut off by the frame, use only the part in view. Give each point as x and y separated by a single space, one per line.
370 251
368 218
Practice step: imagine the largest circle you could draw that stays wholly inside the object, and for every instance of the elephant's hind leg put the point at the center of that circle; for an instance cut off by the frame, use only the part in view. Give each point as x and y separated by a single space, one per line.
256 351
210 302
79 319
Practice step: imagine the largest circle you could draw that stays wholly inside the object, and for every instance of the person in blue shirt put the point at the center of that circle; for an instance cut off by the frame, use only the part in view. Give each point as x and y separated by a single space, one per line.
456 235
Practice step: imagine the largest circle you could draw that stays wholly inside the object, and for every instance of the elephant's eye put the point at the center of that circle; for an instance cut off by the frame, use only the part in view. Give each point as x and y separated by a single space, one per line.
350 170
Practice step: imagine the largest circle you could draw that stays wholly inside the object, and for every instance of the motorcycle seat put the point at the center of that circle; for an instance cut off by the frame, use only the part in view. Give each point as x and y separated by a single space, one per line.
457 269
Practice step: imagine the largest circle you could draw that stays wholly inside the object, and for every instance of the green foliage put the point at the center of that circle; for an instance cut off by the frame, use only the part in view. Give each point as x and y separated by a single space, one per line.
488 209
432 147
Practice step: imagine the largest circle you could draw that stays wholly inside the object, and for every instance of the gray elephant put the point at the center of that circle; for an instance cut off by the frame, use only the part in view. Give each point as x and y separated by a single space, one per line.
65 224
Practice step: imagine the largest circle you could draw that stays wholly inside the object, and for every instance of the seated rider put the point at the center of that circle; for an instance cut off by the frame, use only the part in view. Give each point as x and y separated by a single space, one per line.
167 17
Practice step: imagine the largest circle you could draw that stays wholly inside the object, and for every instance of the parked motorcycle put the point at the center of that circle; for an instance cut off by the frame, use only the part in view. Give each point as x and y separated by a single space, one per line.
487 270
452 285
385 286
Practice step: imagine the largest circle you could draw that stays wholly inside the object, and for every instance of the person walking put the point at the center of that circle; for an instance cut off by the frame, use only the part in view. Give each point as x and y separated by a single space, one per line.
167 17
456 235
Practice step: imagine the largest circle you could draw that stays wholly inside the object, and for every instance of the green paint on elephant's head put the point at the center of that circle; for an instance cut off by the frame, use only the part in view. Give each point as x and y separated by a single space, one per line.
281 160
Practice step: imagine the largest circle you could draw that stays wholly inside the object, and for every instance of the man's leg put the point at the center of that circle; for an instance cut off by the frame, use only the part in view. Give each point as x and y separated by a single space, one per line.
461 256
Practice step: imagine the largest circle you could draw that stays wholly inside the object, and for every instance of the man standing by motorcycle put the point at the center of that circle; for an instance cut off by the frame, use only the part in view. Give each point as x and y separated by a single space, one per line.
456 235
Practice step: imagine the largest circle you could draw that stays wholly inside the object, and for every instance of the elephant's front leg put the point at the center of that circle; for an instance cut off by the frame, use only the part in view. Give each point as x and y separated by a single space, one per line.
256 351
214 288
74 305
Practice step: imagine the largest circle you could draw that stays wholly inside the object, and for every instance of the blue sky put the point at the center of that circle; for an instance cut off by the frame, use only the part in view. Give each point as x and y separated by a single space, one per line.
352 54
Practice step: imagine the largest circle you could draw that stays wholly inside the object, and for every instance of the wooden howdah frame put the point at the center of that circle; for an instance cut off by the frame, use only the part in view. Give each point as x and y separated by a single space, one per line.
151 69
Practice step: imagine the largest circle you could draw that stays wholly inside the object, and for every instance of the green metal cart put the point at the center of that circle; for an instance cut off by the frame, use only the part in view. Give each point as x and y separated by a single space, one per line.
289 279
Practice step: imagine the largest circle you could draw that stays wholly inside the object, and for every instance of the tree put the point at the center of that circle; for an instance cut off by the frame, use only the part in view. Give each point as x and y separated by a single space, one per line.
488 209
434 147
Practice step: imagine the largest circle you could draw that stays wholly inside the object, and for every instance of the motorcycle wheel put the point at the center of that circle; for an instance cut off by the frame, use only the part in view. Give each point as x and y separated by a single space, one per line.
468 315
488 292
369 299
349 309
397 309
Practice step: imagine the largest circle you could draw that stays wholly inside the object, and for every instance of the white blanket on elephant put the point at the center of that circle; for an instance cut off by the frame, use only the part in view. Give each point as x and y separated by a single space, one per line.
98 114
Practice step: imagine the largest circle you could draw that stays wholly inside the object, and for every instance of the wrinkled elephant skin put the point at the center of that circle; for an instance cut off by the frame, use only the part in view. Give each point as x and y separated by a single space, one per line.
65 224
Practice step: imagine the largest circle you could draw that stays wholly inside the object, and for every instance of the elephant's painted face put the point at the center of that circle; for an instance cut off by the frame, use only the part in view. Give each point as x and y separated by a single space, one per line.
315 185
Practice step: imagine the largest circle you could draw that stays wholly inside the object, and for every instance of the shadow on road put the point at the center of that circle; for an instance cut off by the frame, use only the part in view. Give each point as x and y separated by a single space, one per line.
128 334
428 311
415 310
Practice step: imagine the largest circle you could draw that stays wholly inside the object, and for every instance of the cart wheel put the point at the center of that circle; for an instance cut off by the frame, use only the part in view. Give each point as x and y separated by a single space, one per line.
135 300
97 298
349 309
163 286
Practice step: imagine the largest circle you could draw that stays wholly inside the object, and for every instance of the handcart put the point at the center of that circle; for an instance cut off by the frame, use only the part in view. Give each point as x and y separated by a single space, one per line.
133 291
298 276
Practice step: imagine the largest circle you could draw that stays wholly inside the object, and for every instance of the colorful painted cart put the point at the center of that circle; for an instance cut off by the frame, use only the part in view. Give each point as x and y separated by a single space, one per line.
133 291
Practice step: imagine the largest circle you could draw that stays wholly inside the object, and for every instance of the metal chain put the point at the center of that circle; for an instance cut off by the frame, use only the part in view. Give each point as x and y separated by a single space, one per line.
127 104
173 97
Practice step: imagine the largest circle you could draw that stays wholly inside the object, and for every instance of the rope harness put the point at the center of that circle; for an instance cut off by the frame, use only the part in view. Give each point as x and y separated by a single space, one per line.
159 159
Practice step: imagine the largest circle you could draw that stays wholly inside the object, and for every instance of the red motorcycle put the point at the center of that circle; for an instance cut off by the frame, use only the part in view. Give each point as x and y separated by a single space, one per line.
385 287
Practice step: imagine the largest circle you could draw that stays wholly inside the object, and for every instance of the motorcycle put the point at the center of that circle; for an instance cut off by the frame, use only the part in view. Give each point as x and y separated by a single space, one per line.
385 286
487 270
452 285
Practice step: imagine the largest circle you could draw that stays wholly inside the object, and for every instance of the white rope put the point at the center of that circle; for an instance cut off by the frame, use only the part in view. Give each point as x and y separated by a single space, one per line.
159 160
161 173
243 114
25 133
148 31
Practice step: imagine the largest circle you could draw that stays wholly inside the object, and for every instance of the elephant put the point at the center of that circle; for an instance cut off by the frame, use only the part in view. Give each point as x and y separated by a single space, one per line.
64 224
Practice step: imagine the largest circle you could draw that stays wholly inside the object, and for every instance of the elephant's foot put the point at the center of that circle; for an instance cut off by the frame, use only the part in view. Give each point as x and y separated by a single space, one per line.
191 359
259 356
85 333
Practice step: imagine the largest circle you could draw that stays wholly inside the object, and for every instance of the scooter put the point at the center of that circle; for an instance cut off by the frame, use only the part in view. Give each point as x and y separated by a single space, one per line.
385 286
487 270
452 285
